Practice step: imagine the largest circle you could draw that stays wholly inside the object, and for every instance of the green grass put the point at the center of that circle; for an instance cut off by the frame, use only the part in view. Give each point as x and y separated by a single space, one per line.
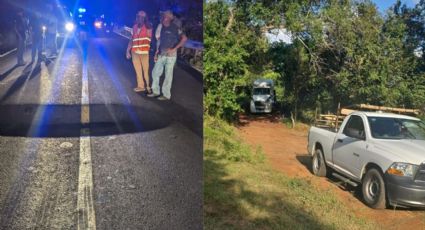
225 144
241 190
299 126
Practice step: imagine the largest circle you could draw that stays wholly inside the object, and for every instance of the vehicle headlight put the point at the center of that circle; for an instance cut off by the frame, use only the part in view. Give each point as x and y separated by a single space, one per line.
98 24
69 26
402 169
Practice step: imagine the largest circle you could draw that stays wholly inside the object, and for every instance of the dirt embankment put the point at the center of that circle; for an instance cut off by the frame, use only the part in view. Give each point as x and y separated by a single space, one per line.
286 150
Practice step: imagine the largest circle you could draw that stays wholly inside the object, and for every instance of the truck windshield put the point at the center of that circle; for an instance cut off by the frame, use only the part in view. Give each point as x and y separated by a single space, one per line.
261 91
396 128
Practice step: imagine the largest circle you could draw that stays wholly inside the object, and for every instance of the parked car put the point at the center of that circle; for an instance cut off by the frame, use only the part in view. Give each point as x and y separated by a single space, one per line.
102 27
66 28
58 20
263 96
382 152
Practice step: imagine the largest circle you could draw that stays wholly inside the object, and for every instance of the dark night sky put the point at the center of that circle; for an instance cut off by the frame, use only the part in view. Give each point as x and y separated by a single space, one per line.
123 10
116 9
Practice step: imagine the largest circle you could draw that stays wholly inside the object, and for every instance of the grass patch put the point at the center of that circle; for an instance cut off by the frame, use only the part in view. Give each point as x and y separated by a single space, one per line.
241 191
299 126
222 143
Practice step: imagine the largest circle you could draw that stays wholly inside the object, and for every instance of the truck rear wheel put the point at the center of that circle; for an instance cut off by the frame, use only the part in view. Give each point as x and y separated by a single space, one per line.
373 189
318 163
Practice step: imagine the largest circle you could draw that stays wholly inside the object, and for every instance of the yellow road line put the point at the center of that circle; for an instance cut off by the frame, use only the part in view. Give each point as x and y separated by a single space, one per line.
85 206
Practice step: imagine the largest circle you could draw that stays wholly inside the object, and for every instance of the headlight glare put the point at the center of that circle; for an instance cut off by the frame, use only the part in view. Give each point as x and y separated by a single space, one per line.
69 26
98 24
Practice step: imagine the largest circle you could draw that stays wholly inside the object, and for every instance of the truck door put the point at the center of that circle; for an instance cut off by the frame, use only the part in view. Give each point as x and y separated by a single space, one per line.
349 146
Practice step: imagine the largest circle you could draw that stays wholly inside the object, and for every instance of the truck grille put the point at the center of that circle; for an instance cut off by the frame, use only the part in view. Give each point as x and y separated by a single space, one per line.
420 174
259 103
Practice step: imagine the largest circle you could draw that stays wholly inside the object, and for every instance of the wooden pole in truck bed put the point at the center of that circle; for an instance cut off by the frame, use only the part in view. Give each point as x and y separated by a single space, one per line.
331 121
388 109
337 116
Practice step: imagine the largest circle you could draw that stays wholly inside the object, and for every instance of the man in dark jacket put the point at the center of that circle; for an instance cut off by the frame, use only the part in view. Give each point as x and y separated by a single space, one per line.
36 27
52 26
21 28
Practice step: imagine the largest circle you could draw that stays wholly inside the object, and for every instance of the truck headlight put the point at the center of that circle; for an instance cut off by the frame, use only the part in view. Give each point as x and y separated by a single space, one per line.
402 169
69 26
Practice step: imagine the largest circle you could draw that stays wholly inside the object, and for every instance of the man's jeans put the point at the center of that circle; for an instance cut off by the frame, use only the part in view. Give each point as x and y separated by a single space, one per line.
36 48
21 49
51 40
167 63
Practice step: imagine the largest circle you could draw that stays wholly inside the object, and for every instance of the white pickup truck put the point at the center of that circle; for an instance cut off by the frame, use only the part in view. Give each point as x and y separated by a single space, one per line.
385 153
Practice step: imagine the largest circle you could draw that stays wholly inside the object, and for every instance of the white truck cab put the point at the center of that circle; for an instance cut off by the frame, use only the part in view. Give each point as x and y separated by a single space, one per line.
263 96
383 152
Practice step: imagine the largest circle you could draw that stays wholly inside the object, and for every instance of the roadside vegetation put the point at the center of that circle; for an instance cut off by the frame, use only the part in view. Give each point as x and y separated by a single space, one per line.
242 191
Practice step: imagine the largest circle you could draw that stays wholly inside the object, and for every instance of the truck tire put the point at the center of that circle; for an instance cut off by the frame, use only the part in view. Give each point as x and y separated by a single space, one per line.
318 164
373 189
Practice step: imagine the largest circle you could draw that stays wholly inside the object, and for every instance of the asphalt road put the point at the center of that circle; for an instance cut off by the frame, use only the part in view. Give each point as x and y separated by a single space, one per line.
79 148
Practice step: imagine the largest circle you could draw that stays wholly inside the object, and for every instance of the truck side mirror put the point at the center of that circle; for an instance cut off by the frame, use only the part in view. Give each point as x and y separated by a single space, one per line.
354 133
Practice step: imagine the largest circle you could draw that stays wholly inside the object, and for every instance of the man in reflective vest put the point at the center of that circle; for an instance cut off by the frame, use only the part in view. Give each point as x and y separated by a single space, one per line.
139 46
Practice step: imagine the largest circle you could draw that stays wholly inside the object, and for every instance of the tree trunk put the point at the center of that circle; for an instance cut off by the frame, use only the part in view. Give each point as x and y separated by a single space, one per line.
292 119
230 22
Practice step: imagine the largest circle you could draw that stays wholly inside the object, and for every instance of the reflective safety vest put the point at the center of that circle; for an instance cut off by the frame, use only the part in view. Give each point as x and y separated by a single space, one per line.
141 40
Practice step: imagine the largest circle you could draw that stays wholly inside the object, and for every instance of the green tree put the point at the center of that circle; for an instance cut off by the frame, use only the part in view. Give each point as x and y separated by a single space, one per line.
342 52
225 67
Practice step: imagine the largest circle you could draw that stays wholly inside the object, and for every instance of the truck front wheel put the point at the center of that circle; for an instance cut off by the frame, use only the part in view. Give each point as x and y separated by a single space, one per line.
318 164
373 189
252 108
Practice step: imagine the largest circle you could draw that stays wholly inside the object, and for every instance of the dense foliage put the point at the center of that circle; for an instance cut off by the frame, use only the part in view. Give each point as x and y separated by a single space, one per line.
342 51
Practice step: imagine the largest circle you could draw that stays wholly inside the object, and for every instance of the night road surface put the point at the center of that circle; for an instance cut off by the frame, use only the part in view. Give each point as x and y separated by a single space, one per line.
81 150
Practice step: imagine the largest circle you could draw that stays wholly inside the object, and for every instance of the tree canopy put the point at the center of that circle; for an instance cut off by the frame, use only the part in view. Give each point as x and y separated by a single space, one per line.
342 51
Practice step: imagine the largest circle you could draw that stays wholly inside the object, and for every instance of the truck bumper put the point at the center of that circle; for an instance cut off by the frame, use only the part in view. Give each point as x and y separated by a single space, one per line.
263 108
404 191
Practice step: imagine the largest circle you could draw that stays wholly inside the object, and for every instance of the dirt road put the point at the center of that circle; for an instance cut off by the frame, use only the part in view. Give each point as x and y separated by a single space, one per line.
286 150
